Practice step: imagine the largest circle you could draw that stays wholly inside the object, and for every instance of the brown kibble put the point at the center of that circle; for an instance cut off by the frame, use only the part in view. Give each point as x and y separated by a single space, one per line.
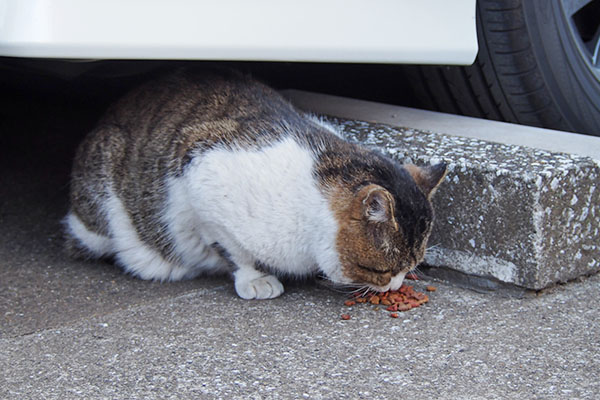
345 317
411 276
431 288
406 289
396 298
403 299
394 315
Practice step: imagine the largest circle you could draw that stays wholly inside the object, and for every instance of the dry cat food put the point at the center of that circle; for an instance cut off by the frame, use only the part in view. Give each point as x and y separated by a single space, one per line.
403 299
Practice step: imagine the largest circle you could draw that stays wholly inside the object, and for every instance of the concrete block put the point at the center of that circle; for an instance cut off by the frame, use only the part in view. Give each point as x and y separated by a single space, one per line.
516 214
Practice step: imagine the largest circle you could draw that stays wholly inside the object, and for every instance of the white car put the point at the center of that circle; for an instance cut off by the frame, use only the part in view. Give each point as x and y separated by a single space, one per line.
526 61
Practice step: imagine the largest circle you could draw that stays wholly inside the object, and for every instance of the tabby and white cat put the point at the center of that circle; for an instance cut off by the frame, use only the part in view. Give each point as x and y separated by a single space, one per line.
211 171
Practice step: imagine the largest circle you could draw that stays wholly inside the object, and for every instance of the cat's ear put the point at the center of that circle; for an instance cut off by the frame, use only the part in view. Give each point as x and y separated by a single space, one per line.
427 178
377 205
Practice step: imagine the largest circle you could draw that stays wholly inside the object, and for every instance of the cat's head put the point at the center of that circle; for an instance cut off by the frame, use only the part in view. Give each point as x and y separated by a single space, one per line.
383 232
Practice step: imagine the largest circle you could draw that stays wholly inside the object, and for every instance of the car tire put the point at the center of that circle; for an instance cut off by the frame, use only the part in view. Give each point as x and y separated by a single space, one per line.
538 64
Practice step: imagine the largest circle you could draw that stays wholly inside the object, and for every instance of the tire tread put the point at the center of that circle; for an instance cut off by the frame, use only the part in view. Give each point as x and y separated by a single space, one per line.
499 85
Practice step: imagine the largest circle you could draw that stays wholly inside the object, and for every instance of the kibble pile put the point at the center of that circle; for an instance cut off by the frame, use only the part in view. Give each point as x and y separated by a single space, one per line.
403 299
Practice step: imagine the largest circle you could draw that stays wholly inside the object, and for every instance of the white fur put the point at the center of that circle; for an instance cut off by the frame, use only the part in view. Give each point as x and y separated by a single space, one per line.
325 124
252 284
98 245
136 257
132 253
260 205
185 230
394 284
264 205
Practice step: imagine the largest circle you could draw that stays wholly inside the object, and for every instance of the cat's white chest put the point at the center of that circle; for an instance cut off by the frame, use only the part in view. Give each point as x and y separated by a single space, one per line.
264 203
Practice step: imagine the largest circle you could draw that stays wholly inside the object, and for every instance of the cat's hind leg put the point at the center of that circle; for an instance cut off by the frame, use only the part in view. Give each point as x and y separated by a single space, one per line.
145 261
81 242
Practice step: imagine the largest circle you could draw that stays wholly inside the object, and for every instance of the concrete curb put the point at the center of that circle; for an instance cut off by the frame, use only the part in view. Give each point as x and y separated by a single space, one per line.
522 215
454 125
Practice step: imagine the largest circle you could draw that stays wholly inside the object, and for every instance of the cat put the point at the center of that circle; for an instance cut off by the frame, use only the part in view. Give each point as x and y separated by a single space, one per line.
209 171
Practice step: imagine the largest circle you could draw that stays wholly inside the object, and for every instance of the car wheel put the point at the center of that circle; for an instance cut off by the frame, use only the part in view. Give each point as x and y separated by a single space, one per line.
538 64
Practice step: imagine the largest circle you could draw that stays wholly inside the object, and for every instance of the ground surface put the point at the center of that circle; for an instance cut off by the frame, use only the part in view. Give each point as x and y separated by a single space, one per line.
85 330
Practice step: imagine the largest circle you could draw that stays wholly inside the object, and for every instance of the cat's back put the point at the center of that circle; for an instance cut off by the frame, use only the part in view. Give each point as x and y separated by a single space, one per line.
157 126
154 129
206 104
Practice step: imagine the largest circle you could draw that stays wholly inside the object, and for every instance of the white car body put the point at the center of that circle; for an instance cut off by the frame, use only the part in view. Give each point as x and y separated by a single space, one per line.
373 31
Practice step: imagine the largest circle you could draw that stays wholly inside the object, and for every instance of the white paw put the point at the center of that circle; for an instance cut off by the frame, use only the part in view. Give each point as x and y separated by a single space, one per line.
263 287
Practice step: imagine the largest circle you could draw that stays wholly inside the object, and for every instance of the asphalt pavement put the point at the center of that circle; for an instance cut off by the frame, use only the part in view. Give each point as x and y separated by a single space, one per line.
73 329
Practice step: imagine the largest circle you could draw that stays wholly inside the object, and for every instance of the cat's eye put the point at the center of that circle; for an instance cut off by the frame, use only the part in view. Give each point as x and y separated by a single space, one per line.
376 271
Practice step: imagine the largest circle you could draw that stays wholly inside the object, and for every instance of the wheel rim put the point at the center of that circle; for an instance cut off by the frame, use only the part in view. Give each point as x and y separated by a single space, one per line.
583 19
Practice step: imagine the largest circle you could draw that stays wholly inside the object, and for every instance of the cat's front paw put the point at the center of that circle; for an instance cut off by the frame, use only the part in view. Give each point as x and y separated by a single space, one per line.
263 287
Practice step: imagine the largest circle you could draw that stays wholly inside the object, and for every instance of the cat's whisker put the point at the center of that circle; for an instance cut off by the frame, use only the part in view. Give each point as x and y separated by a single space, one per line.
416 271
347 288
433 247
364 291
358 289
340 289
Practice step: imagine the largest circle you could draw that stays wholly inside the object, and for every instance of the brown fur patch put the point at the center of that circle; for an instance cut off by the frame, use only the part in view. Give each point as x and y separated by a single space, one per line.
370 252
416 173
362 260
